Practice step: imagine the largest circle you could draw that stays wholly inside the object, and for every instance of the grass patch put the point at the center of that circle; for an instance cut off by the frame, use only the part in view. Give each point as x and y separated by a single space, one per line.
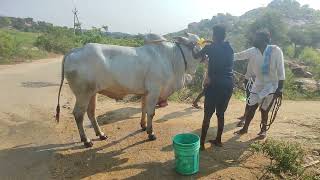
19 46
286 159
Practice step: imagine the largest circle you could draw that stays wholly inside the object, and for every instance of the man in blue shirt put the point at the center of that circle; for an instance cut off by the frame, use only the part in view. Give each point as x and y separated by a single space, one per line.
219 82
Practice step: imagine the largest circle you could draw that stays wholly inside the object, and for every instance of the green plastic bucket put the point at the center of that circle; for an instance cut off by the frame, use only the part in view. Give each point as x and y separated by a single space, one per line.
186 149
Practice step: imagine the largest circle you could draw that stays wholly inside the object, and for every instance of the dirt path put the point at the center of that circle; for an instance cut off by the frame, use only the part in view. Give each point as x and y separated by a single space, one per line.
33 146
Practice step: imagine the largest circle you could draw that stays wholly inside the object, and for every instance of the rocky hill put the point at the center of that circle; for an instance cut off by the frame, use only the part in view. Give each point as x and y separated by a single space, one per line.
293 26
291 13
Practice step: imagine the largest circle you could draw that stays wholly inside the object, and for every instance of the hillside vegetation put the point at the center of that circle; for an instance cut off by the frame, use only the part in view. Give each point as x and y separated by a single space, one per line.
18 46
295 28
24 38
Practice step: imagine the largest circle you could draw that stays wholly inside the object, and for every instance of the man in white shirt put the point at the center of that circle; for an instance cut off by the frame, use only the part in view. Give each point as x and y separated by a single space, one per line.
267 64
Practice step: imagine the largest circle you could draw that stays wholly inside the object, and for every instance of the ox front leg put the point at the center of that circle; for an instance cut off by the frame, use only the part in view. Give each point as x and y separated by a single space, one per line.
91 111
78 112
143 122
151 101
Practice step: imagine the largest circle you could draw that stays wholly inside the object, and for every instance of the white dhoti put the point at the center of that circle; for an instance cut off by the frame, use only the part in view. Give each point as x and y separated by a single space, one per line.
262 94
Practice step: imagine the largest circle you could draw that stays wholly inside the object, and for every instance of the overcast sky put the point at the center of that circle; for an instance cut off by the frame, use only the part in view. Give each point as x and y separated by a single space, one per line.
131 16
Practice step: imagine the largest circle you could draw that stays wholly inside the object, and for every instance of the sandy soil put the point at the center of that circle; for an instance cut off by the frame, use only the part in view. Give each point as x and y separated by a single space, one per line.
33 146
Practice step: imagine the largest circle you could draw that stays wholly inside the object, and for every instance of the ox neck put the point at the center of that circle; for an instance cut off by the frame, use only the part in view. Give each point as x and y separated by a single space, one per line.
183 55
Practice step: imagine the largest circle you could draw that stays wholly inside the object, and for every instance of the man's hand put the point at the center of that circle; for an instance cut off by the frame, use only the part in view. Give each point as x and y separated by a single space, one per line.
279 90
204 59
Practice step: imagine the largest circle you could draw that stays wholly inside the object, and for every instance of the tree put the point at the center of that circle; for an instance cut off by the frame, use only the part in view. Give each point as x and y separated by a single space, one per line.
5 21
314 34
299 38
106 28
7 45
272 22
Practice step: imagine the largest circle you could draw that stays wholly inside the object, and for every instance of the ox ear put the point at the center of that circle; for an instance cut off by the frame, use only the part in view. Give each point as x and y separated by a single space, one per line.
181 39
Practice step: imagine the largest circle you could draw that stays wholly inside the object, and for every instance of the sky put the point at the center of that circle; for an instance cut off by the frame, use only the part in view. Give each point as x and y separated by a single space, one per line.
131 16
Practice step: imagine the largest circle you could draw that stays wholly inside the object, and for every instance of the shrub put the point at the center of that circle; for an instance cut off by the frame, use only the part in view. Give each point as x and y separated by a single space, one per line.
196 83
289 51
190 91
62 40
7 45
285 157
58 40
310 56
290 89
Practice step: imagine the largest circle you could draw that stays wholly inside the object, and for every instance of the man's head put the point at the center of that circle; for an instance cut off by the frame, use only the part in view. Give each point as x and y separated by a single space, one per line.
262 38
219 33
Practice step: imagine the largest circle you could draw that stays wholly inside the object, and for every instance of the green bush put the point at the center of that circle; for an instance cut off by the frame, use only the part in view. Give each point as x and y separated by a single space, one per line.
62 40
91 36
196 84
58 40
190 91
30 53
7 45
18 46
290 89
289 51
310 56
285 157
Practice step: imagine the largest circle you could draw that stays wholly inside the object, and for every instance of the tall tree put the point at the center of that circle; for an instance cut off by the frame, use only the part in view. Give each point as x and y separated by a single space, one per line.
272 22
300 38
106 28
5 22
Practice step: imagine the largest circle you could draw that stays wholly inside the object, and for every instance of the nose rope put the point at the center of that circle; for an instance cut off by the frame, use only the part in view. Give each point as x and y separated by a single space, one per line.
183 56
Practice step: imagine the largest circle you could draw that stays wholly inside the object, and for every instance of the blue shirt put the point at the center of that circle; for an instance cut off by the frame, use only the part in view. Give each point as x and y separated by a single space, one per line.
220 67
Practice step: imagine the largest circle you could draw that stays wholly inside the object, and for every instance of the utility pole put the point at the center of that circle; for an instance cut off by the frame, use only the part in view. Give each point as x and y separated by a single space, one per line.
76 22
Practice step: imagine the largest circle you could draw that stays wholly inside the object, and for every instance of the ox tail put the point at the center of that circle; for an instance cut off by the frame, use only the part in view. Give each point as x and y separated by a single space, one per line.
61 84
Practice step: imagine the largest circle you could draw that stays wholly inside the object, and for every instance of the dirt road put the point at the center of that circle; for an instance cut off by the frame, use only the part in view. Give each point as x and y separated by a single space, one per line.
33 146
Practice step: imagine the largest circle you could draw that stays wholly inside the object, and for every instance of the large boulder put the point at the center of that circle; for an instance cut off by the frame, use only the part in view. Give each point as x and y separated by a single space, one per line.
308 84
298 70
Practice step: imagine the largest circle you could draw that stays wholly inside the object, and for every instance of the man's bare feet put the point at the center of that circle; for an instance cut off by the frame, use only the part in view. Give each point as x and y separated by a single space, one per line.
202 148
242 118
262 134
162 104
241 132
216 143
241 123
195 105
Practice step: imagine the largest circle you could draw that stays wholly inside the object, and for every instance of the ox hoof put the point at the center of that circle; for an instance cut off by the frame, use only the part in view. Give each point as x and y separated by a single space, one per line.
143 127
88 144
152 137
103 137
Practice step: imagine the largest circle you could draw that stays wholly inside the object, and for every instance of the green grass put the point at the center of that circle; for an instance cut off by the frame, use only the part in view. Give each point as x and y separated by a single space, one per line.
25 39
285 157
22 47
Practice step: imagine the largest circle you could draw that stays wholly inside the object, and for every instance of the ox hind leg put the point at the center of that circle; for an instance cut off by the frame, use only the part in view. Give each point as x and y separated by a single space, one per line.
151 101
78 112
91 112
143 122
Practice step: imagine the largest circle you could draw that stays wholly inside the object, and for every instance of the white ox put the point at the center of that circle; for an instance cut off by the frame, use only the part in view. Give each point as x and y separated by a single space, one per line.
154 71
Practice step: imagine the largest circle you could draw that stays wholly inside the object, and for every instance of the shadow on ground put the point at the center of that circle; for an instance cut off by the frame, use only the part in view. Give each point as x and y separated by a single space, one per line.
119 115
185 112
62 161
